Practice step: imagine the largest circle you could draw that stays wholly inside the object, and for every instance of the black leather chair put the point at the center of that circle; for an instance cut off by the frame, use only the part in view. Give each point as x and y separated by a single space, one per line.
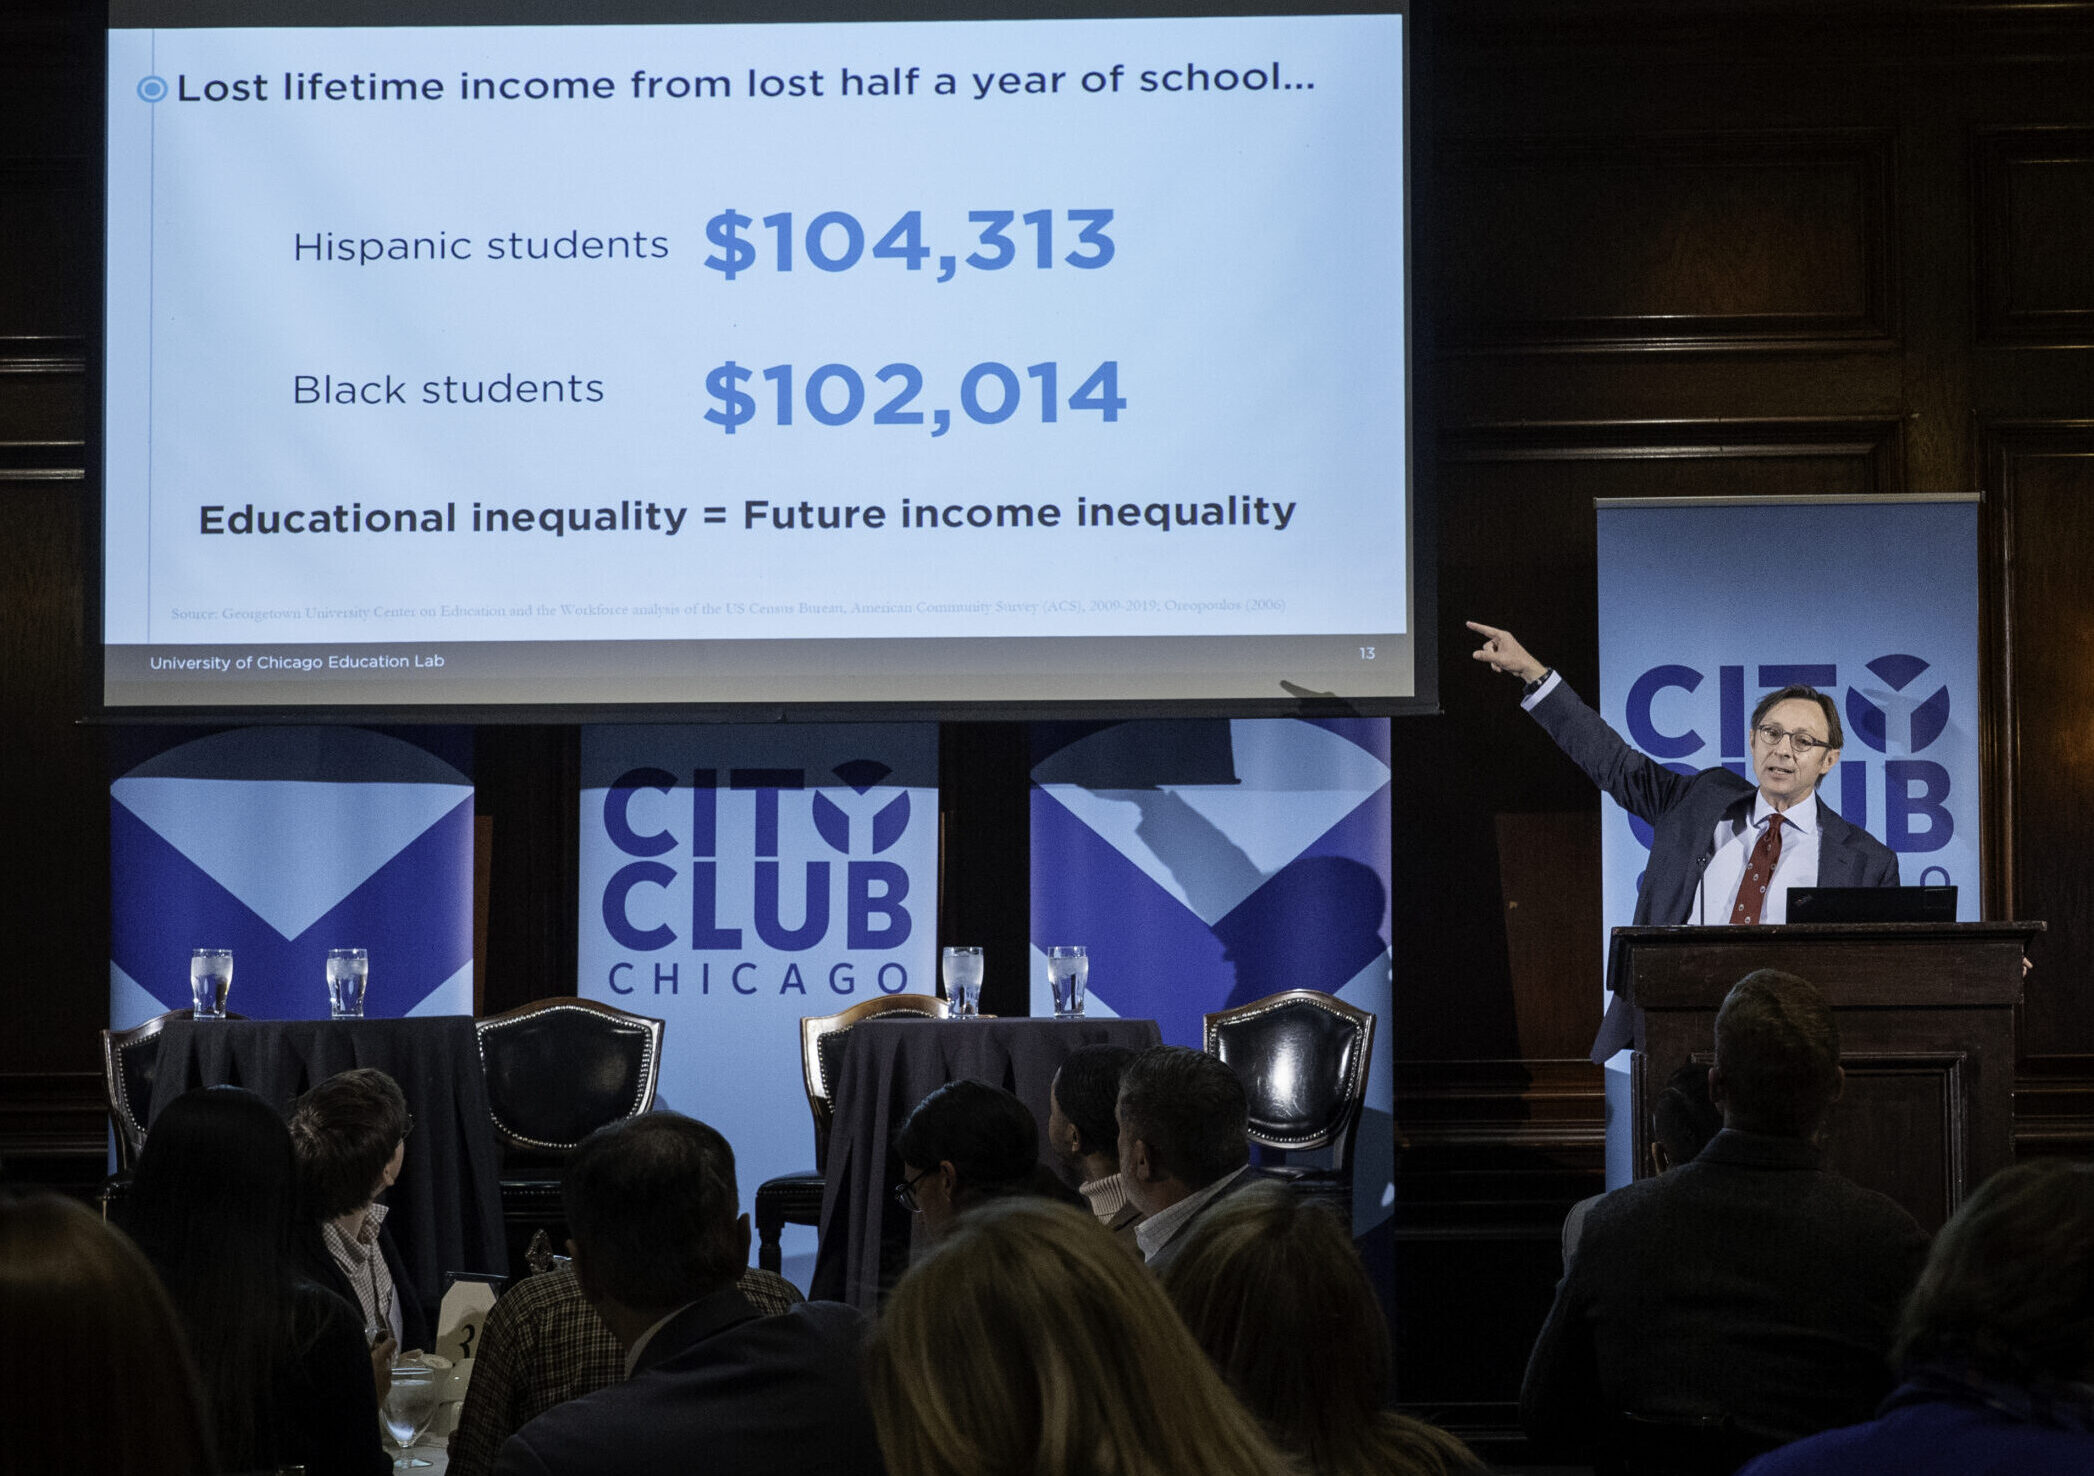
129 1060
796 1199
1302 1057
557 1070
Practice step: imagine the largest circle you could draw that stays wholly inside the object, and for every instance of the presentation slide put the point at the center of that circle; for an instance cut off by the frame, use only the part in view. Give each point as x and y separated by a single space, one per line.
890 362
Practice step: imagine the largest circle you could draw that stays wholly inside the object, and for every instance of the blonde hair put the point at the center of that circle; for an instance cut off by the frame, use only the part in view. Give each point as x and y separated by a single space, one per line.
1031 1344
1271 1287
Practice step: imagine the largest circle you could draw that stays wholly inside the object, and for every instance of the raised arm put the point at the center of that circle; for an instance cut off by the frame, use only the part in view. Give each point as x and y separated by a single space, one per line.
1640 784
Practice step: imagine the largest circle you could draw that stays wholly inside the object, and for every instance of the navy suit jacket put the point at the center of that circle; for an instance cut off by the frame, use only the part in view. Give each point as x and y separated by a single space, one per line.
1682 811
721 1389
1922 1434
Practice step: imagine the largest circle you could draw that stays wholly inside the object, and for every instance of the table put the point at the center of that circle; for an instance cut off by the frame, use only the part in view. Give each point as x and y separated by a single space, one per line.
435 1449
447 1205
888 1066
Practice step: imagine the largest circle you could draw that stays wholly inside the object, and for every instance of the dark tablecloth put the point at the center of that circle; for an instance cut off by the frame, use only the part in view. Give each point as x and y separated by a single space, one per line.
888 1066
446 1210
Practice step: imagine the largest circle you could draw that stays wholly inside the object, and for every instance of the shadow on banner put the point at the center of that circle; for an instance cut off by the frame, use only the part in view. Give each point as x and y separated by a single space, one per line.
1210 862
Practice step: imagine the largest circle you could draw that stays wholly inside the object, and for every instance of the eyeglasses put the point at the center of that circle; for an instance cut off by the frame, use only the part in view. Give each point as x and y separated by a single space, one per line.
1802 743
408 1131
905 1191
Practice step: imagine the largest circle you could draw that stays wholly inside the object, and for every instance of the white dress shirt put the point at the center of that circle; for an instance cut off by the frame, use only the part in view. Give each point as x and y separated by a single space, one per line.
352 1240
1151 1234
1798 867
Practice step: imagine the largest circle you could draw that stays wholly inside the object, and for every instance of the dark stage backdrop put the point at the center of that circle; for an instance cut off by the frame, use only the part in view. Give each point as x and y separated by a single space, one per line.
1738 248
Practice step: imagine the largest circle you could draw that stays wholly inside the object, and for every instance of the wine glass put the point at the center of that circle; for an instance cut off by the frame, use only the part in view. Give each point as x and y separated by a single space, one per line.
1068 967
962 969
410 1406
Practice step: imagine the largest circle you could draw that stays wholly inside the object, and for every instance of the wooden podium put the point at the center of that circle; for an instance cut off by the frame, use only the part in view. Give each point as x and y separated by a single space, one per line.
1926 1021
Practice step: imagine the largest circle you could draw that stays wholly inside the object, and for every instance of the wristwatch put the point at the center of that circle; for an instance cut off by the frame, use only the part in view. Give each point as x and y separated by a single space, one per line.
1535 686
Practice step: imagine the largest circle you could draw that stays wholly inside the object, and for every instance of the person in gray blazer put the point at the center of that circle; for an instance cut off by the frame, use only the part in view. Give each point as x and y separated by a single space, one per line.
1184 1142
1724 849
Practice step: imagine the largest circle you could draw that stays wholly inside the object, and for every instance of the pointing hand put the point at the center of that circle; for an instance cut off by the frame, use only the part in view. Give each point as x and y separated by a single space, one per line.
1504 653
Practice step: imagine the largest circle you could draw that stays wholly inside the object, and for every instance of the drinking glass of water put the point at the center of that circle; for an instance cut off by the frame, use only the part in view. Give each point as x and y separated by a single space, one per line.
1068 968
210 980
410 1407
962 969
348 970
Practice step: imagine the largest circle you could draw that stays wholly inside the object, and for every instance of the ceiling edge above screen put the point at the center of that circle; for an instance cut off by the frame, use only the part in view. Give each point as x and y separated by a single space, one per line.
491 368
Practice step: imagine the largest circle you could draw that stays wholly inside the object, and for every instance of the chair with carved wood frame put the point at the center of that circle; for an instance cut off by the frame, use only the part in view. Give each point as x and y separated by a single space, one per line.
130 1059
796 1199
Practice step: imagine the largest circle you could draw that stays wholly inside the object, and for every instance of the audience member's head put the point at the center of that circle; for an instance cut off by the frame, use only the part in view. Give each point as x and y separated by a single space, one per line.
2008 1290
1683 1119
211 1206
351 1135
1777 1056
654 1213
217 1161
1263 1279
1183 1121
1081 1121
965 1144
82 1310
1030 1344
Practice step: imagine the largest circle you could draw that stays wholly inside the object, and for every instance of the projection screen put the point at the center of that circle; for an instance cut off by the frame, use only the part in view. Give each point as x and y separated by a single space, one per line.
679 359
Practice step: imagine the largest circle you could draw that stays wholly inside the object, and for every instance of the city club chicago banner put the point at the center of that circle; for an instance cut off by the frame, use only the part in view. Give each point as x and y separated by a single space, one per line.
281 843
1706 605
1207 863
734 879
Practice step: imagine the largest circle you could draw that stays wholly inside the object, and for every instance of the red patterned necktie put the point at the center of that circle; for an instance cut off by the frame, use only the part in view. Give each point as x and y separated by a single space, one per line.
1759 872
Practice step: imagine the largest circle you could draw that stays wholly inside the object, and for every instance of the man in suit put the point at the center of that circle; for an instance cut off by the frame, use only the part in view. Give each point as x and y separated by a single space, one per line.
709 1381
1751 1285
1084 1132
1184 1142
1724 850
542 1345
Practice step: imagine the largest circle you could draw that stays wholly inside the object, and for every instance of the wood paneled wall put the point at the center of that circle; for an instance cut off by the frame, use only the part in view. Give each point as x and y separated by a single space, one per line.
1722 249
1726 247
54 818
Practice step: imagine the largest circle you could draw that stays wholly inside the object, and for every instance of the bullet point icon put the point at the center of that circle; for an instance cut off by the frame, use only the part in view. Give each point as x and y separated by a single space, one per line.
152 89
